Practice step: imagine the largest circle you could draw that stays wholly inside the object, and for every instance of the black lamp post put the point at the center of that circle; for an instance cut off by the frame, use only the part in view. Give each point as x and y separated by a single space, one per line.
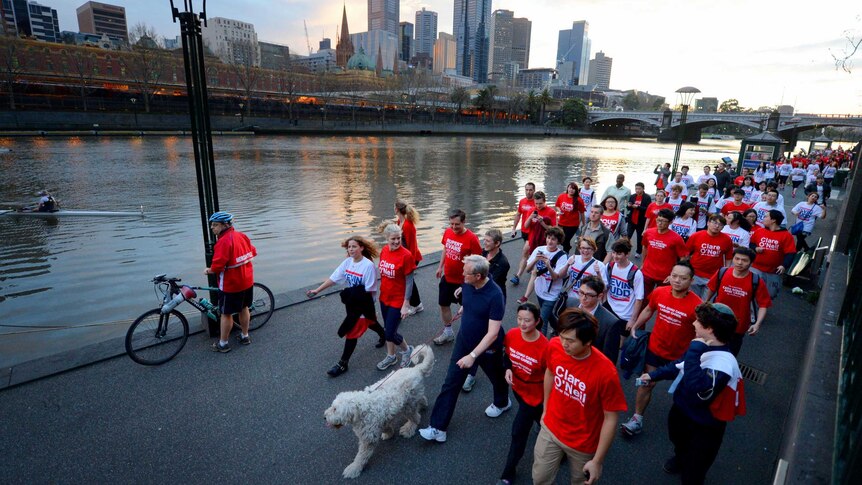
241 114
686 95
135 109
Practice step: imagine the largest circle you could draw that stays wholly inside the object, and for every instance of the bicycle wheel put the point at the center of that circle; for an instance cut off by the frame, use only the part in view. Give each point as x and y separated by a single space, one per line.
262 306
154 338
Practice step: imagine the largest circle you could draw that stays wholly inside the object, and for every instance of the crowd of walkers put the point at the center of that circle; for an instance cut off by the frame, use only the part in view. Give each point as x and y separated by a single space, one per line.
702 259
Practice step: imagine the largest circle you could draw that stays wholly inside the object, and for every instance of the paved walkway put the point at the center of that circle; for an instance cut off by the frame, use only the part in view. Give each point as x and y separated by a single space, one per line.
256 414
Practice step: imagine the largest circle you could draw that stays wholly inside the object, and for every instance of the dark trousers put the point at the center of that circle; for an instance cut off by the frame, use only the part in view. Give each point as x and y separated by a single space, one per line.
391 321
350 343
695 445
414 298
521 427
491 363
801 243
638 229
735 343
568 233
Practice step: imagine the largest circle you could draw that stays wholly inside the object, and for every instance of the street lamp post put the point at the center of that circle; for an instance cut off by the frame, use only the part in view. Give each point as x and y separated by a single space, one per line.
135 109
322 116
686 95
241 114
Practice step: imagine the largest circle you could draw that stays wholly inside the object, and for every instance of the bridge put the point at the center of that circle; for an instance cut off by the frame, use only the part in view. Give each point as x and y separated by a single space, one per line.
789 126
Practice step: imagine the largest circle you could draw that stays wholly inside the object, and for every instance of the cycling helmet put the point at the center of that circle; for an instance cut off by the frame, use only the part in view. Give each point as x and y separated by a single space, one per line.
223 217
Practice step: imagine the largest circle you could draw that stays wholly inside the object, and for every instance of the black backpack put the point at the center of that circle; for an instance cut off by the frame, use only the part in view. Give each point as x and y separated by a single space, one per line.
630 277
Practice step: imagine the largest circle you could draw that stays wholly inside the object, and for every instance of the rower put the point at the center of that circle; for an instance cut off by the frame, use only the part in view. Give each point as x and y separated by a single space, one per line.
47 203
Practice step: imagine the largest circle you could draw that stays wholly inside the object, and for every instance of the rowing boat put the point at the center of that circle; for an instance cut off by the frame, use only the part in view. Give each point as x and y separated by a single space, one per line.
71 212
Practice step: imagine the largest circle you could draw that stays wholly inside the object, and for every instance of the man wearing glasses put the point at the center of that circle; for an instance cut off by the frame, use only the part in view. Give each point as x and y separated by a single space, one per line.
591 293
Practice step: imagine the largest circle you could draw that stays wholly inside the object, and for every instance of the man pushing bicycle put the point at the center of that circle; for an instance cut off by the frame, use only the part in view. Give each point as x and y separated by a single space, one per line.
232 258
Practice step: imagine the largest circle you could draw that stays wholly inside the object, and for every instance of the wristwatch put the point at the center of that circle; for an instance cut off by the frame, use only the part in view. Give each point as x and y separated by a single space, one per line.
472 354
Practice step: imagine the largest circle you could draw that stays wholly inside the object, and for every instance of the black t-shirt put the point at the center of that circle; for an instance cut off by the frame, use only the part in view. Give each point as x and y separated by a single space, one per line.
480 306
498 270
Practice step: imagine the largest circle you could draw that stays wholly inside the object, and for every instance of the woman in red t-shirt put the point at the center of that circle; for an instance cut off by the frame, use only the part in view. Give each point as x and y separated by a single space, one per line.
570 206
396 284
612 218
652 210
407 219
525 372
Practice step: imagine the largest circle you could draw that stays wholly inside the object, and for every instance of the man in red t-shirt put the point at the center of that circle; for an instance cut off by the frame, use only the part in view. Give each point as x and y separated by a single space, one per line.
710 249
736 291
672 333
775 249
458 243
662 249
735 205
523 212
583 397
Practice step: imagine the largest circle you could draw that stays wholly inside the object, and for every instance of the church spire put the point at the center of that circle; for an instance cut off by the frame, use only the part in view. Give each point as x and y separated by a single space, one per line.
344 47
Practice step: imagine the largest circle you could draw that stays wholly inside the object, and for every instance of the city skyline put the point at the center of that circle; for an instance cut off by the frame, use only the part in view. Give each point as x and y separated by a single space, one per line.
738 53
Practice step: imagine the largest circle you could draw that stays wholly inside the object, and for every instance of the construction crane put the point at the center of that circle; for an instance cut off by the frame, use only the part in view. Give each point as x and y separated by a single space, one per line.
307 41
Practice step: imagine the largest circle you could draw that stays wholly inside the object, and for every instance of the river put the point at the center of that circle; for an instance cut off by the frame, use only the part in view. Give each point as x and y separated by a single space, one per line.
296 198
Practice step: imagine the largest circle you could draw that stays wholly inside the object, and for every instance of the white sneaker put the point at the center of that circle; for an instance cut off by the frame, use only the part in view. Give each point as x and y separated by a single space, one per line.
445 337
493 411
387 362
405 356
469 383
416 309
433 434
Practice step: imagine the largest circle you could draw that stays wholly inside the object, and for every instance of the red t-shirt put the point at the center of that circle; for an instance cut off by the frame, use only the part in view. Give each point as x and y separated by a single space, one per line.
775 244
456 247
662 252
232 256
674 322
736 293
545 212
652 212
528 365
525 208
581 393
394 267
636 214
611 221
570 210
729 207
707 251
408 237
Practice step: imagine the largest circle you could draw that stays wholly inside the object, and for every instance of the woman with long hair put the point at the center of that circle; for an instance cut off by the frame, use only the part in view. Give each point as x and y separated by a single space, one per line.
612 218
359 276
685 224
738 228
407 218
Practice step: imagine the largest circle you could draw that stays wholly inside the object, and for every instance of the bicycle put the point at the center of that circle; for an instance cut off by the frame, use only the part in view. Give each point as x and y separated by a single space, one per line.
160 334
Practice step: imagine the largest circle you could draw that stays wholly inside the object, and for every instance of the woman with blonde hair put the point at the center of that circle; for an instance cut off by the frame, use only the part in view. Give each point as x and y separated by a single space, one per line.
407 218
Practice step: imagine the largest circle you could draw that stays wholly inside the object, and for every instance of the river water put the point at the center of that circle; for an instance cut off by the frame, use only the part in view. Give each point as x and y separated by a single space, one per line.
296 198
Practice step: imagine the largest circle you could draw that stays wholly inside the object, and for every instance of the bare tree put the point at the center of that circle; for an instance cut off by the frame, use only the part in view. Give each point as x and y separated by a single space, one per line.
146 63
83 63
13 62
242 58
288 84
845 59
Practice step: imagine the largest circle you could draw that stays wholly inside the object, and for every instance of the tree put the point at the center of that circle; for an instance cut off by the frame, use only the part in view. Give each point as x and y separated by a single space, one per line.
459 96
517 102
631 102
729 106
145 65
485 100
83 63
13 62
544 99
844 60
242 56
573 113
534 106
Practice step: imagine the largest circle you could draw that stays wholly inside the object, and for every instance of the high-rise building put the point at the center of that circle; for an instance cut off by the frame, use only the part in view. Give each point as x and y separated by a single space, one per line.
710 105
406 41
472 27
426 31
573 54
383 15
600 71
324 44
233 41
274 56
536 79
510 42
379 45
444 54
43 22
103 18
344 45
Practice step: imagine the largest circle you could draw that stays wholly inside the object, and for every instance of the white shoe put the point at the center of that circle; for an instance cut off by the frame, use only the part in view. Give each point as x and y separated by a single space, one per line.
445 337
387 362
405 356
433 434
493 411
416 309
469 383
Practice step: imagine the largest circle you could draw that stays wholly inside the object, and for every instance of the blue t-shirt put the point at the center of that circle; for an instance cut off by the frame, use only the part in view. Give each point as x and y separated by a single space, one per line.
480 306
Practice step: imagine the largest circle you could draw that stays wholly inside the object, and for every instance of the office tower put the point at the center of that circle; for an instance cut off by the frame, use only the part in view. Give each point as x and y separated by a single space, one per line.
573 54
522 30
274 56
380 45
103 18
444 54
43 22
426 31
406 44
471 25
383 15
600 70
343 46
510 42
324 44
233 41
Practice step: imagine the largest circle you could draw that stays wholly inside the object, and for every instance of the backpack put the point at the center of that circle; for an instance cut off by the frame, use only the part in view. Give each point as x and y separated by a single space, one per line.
630 277
755 282
634 353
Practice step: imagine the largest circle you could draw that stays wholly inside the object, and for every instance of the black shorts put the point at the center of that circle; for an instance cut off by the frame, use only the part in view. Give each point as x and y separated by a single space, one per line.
654 360
446 296
782 179
525 235
230 303
797 183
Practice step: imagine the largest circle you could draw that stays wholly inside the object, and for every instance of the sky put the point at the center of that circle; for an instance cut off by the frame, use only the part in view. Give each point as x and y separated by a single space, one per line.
762 53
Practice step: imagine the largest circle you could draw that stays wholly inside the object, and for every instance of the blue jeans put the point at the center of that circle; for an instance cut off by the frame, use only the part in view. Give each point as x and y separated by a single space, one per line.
546 309
391 320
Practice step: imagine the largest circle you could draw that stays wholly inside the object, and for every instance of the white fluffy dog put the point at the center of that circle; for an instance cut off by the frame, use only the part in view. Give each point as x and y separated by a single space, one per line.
379 409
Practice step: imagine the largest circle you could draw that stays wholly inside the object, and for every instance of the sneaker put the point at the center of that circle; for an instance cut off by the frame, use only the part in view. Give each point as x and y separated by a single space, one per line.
387 362
433 434
243 340
405 356
503 481
493 411
469 383
515 280
416 309
632 426
337 369
444 338
522 300
219 348
671 466
380 343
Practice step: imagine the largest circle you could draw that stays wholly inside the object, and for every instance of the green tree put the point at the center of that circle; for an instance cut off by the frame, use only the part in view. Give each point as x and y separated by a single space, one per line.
459 96
544 99
485 100
631 102
534 106
729 106
573 113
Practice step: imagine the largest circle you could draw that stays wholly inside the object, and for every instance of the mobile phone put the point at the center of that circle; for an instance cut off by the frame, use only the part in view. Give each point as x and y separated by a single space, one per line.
640 382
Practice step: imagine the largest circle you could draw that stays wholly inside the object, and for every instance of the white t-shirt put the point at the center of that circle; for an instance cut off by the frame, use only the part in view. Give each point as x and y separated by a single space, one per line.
807 213
749 197
353 274
705 207
703 178
675 203
588 196
769 174
596 268
763 208
829 172
784 169
688 180
812 167
546 287
621 296
797 174
684 227
758 176
811 179
739 236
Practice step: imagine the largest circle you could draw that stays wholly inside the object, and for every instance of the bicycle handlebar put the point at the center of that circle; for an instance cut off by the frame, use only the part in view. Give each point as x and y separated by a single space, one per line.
162 278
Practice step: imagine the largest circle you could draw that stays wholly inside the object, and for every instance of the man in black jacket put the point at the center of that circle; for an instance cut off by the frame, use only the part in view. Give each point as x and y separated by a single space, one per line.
823 190
636 218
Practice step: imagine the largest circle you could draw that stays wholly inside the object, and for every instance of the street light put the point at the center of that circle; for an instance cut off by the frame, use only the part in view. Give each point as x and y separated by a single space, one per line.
135 109
686 95
241 114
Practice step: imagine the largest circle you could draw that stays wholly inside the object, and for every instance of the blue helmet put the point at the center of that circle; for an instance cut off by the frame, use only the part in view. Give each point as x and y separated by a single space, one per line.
223 217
